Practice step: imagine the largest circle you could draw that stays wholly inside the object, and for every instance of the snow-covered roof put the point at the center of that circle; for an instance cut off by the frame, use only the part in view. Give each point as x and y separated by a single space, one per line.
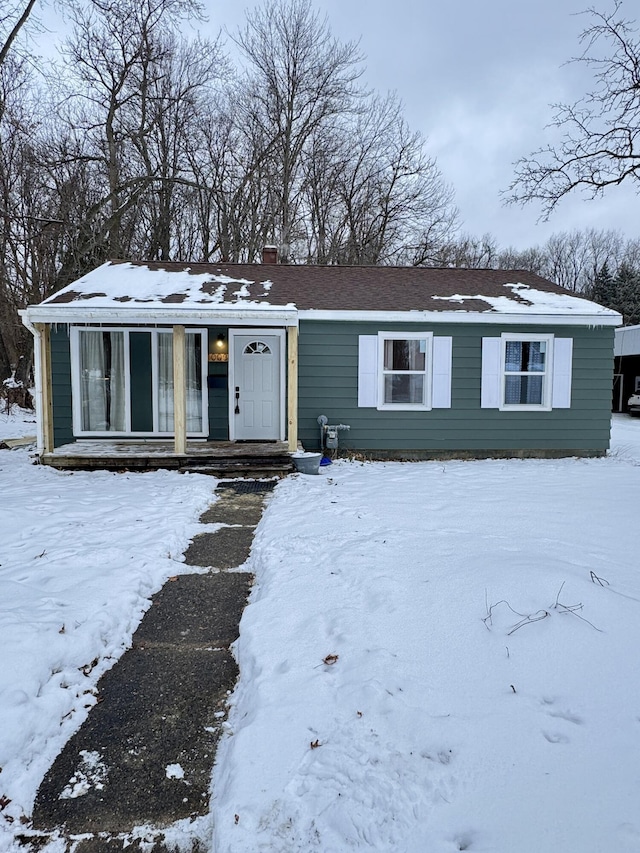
133 289
171 285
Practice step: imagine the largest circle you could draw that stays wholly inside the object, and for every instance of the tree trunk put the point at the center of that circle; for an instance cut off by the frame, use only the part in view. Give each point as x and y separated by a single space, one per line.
5 364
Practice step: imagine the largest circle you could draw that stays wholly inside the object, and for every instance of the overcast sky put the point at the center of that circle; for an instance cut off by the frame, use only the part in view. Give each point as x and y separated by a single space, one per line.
477 79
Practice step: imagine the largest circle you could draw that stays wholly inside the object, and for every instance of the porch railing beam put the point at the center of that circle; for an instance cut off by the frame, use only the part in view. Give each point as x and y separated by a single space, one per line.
292 388
44 388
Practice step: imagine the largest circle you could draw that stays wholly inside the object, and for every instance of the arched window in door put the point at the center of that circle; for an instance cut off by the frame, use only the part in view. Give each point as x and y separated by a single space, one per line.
257 348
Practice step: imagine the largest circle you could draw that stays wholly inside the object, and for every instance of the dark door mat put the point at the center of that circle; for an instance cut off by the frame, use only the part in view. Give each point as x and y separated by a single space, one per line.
243 487
227 548
195 610
235 508
160 717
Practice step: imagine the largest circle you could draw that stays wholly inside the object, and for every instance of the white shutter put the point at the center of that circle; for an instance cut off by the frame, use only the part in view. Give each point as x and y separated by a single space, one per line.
441 389
562 361
368 371
492 370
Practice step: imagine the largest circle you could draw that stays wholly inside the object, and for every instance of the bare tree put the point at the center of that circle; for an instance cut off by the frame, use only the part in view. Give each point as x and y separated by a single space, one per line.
397 207
20 208
77 185
175 93
600 140
12 21
533 259
299 78
467 252
121 53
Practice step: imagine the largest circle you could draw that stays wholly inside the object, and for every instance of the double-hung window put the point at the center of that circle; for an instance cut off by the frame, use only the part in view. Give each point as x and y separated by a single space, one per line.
405 360
526 372
404 371
526 367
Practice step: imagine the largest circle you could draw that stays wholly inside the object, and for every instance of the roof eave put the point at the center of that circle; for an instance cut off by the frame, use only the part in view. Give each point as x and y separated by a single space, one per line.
517 318
170 315
289 316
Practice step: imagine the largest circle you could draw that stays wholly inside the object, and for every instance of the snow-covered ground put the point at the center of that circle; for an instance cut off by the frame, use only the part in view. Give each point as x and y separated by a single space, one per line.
441 657
436 656
16 423
80 555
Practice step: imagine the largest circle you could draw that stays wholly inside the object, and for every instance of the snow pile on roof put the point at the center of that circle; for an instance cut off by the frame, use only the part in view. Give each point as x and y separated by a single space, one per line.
531 301
136 284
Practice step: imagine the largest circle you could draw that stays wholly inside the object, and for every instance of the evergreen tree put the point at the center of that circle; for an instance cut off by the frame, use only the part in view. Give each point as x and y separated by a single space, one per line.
603 289
627 296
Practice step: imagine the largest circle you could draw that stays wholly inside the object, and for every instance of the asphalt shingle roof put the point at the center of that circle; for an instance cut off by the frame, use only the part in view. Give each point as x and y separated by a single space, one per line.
322 288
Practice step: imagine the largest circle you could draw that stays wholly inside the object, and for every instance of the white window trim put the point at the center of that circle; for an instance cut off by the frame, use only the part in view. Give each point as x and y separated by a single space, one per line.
547 381
78 432
425 406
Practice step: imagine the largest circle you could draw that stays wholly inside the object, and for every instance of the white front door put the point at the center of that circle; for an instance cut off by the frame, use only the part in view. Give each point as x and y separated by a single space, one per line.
256 390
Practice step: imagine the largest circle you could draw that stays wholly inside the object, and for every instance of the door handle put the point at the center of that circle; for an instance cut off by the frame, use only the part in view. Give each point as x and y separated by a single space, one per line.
237 408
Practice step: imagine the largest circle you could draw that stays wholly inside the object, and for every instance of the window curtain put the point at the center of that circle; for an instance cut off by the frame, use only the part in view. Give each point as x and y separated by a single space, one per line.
116 383
93 391
194 383
404 354
528 357
102 381
193 380
165 382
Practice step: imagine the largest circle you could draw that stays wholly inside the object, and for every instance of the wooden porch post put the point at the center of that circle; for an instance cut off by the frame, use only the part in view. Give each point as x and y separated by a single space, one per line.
180 390
292 387
43 377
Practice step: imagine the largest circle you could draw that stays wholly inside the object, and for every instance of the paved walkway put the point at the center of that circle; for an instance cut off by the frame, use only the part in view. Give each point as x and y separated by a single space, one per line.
145 754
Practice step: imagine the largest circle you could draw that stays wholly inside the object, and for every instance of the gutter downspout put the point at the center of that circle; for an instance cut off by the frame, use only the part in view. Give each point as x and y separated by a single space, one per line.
37 371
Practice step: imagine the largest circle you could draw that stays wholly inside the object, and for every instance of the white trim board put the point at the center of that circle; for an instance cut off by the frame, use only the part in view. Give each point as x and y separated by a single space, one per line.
492 318
290 316
209 316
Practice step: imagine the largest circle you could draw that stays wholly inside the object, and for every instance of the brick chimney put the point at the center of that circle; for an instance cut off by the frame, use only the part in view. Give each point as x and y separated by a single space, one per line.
270 255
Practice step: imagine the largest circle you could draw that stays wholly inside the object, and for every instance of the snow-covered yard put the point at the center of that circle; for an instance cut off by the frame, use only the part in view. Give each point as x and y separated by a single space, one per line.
436 656
16 423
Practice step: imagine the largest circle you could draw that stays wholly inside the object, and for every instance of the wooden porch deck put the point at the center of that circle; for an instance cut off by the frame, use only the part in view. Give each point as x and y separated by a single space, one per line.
219 458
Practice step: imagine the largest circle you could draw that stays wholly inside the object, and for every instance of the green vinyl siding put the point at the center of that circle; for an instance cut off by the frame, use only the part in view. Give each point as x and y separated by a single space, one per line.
61 386
328 384
141 382
218 389
328 371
